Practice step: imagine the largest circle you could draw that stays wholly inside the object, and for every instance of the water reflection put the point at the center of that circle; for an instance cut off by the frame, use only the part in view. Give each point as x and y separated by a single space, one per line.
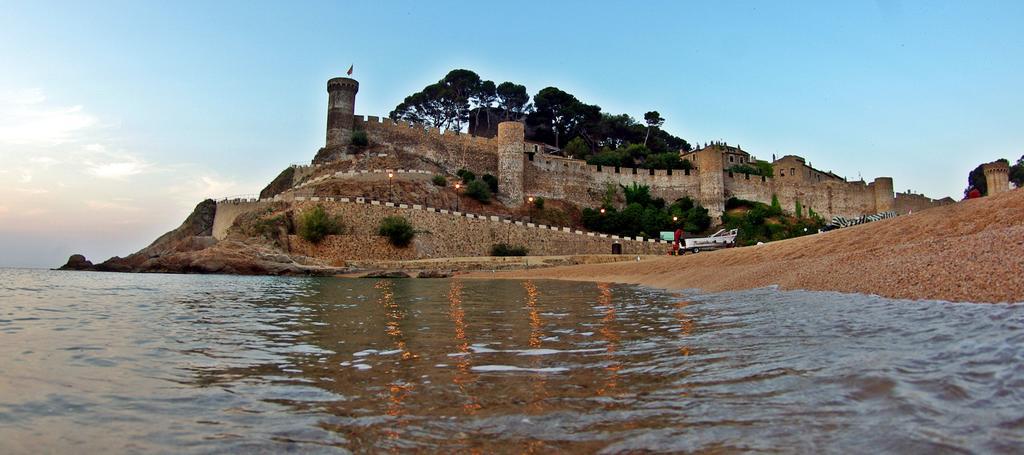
611 336
236 364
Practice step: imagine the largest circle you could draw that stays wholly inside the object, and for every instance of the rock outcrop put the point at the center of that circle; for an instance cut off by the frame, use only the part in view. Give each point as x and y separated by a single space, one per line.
77 262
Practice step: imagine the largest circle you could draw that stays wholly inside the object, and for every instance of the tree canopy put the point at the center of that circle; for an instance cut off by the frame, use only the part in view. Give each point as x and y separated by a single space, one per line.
555 117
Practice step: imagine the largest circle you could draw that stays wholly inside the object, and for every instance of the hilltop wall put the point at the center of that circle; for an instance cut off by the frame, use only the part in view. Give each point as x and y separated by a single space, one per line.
449 150
585 185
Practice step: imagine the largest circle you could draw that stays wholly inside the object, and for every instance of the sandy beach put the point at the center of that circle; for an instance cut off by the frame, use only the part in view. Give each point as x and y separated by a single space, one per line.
972 251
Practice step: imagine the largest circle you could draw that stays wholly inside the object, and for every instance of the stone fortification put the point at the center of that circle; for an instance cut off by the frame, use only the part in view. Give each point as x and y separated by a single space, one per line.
997 177
448 150
341 106
440 232
523 169
585 184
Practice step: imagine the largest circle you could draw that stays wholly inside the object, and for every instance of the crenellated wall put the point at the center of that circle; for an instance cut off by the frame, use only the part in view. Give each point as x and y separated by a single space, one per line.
584 184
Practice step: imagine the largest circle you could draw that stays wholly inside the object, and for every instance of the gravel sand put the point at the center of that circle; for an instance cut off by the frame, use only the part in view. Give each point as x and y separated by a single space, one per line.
972 251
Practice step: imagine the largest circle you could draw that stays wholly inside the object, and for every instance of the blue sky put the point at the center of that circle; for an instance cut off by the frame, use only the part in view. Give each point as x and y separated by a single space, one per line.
117 117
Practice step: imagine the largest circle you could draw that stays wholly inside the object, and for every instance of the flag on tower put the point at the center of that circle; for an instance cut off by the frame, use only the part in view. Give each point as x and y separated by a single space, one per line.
350 69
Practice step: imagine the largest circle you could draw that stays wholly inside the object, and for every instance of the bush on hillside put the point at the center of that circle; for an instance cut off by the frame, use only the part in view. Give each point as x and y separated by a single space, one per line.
538 203
315 224
466 175
479 190
491 181
504 249
398 230
359 138
439 180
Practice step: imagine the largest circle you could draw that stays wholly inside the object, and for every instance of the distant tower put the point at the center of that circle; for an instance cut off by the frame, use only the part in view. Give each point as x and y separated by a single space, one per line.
997 176
885 199
341 106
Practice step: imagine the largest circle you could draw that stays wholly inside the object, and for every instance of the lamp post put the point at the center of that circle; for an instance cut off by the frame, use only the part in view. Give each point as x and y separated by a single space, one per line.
391 192
530 208
457 186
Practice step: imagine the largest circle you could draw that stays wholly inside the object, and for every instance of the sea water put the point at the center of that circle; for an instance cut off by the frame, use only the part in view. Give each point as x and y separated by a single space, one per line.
105 362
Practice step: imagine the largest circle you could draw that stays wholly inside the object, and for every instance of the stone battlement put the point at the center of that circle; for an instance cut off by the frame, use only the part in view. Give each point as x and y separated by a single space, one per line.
525 169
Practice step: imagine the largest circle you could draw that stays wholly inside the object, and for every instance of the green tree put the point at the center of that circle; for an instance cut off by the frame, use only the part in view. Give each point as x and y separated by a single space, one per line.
483 98
577 148
439 180
653 120
397 229
1017 173
445 104
556 111
513 100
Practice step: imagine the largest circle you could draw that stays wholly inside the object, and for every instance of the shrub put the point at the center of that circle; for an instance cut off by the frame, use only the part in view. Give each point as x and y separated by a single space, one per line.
466 175
504 249
479 190
491 181
439 180
397 229
538 203
315 224
359 138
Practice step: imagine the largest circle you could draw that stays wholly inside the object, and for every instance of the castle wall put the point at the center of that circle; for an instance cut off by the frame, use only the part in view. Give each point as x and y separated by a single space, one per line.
228 211
583 184
448 235
450 151
908 202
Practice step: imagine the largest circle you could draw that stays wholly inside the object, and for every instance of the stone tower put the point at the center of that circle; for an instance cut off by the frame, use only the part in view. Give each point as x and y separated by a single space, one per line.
997 176
341 106
511 144
885 199
711 175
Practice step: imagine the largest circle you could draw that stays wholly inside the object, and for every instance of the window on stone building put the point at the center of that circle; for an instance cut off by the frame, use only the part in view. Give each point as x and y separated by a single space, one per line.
730 158
792 171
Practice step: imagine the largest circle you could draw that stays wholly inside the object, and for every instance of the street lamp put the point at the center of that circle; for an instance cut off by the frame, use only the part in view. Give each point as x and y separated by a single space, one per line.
602 210
391 192
457 186
529 209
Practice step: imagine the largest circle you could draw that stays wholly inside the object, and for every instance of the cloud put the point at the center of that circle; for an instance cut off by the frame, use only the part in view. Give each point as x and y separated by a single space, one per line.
117 170
110 205
31 190
101 163
25 119
44 161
